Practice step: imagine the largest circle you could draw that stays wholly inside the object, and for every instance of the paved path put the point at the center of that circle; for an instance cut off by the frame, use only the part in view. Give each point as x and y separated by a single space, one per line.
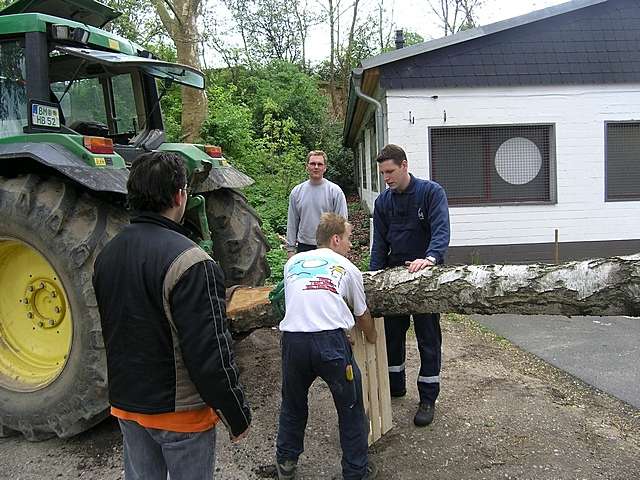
602 351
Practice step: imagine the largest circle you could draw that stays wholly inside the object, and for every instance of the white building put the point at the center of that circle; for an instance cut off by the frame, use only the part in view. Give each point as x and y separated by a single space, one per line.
532 126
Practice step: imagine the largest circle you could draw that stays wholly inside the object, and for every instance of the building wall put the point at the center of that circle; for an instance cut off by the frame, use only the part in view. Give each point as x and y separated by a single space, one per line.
578 114
366 137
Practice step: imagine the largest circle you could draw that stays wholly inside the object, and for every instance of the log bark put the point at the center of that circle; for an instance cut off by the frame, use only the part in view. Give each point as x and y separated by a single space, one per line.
599 287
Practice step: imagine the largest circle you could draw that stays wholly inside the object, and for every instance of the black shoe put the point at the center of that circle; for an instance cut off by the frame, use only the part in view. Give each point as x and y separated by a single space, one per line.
286 470
424 415
398 394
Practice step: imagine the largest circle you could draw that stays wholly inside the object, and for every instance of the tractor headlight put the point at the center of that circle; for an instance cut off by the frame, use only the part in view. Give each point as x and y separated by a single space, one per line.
65 32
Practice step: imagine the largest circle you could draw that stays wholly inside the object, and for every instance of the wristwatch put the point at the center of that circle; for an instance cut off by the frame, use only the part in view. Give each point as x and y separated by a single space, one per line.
432 259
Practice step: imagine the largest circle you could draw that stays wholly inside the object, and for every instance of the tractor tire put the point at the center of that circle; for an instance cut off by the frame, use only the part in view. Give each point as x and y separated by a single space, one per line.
239 245
53 375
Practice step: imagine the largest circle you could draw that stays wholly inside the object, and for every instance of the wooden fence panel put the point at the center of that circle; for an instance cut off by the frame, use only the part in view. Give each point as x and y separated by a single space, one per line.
372 360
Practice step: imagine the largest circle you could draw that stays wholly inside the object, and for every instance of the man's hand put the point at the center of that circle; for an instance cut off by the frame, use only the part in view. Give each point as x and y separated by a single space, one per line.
365 323
290 253
418 264
371 335
239 437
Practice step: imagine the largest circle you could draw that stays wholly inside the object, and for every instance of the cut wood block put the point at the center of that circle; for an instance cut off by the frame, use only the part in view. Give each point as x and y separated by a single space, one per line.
249 308
247 298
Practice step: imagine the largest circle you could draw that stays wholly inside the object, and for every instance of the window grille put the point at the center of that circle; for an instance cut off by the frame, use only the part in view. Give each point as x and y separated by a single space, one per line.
622 161
493 165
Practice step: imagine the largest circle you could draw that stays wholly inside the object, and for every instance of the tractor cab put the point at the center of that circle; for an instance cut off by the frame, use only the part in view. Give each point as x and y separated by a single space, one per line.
77 79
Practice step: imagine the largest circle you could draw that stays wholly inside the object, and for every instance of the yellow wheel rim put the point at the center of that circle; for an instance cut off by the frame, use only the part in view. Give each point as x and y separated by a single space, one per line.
35 319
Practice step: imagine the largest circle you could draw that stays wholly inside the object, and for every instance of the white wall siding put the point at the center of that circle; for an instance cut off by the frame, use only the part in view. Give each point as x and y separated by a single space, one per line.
578 114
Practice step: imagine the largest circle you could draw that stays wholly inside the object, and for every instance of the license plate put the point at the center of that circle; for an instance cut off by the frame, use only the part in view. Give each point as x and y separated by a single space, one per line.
45 116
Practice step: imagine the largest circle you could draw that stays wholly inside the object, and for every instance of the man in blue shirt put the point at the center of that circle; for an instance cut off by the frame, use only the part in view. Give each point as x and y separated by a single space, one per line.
411 227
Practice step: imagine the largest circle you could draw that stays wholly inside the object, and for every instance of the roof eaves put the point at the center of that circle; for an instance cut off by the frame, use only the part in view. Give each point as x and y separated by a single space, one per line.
351 106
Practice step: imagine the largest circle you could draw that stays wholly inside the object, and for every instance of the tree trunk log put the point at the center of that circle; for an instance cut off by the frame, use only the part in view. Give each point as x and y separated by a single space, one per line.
248 308
600 287
608 286
180 19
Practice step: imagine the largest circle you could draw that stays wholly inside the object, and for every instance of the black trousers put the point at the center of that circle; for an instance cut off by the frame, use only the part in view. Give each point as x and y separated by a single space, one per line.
306 356
429 337
304 247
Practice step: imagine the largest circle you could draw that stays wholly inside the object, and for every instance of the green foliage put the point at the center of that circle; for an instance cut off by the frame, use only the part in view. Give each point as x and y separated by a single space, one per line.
229 123
410 38
295 93
277 166
277 256
137 23
266 120
171 104
363 264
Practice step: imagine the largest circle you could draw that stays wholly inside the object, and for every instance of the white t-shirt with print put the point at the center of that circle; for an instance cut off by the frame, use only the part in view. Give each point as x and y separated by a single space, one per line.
321 289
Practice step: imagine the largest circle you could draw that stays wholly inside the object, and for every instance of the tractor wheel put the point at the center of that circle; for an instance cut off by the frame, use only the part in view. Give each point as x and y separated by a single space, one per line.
239 245
53 376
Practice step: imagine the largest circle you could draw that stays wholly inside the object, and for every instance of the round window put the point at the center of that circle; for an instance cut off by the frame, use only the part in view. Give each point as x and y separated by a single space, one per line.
518 161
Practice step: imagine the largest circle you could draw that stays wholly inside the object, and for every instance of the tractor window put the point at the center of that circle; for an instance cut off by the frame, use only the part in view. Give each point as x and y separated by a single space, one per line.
13 94
83 103
125 103
86 111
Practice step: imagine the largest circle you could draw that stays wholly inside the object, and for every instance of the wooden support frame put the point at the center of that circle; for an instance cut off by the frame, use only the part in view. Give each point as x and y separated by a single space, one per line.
372 360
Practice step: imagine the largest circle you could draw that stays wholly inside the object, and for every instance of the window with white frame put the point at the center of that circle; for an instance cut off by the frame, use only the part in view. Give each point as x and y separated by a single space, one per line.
363 162
622 161
373 154
356 165
494 164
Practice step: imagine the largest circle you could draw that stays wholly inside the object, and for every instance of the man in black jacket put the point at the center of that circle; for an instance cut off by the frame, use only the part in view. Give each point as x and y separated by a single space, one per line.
172 373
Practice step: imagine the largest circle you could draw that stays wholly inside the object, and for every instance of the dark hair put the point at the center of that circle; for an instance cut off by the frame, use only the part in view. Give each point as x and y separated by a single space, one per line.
154 179
392 152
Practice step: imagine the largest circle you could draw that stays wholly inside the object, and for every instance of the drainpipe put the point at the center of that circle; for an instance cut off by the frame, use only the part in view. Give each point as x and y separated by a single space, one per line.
380 133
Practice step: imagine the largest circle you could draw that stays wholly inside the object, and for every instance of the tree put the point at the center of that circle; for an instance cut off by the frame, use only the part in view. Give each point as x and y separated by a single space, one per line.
180 19
138 22
269 30
606 287
455 15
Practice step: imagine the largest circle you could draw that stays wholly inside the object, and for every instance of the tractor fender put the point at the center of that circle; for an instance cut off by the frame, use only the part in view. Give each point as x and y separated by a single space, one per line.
224 176
52 155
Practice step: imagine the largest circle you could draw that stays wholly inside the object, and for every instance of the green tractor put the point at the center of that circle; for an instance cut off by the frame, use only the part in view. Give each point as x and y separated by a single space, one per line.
77 105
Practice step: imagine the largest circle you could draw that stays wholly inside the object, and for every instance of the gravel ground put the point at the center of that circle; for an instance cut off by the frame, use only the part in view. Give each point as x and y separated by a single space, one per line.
502 414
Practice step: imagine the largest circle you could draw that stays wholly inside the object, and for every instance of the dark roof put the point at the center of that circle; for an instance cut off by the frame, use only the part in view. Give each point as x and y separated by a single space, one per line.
599 44
579 42
482 31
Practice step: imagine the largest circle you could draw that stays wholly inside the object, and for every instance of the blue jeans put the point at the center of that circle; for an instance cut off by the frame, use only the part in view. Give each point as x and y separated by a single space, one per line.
306 356
150 454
